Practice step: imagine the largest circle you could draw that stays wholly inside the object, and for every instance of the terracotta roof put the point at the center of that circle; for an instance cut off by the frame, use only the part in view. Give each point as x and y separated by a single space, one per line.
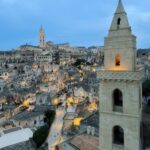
86 142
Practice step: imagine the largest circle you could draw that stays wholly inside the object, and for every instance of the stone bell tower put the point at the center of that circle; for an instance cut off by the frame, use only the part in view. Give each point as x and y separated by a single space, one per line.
120 88
42 43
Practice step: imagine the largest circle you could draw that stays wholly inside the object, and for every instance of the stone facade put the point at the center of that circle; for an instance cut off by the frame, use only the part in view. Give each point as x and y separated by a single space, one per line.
42 38
120 88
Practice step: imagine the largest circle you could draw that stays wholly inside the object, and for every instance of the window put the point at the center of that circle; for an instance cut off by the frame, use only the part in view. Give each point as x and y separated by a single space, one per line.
118 135
117 60
40 101
140 97
35 122
12 86
118 22
117 101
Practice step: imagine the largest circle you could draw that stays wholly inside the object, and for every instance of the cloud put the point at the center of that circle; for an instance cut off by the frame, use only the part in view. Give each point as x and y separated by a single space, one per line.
139 15
74 21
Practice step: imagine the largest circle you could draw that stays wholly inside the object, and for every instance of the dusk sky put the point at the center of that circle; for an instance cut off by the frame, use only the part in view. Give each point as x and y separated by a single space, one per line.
79 22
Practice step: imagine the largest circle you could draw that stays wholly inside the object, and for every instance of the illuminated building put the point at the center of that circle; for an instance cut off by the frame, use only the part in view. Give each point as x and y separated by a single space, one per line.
120 88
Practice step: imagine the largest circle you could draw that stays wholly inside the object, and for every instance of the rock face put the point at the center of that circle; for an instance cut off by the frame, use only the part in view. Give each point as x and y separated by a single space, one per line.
120 88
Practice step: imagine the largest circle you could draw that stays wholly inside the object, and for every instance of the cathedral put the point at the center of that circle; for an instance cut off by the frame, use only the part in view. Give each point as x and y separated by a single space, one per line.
120 89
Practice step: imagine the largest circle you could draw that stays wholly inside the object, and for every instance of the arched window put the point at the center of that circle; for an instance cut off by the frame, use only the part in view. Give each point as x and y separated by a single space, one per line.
118 22
117 60
118 135
117 101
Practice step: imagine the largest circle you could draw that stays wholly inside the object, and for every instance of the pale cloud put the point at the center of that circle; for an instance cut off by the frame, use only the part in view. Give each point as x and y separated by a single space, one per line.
75 21
138 15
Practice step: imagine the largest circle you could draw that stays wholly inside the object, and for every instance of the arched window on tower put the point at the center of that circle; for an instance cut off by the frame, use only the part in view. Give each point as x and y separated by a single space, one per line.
118 136
117 60
117 101
118 22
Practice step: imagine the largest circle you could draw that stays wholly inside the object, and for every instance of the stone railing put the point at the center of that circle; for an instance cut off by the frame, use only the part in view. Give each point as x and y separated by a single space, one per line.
121 75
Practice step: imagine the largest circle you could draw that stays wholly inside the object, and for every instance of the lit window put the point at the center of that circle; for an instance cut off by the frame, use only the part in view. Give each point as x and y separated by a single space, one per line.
117 60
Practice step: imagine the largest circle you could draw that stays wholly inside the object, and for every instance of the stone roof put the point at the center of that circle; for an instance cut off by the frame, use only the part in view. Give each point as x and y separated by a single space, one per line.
11 130
92 120
120 8
28 145
15 137
27 115
85 142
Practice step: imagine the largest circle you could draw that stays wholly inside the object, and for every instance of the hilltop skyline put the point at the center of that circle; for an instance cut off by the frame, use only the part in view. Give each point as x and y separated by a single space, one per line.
79 23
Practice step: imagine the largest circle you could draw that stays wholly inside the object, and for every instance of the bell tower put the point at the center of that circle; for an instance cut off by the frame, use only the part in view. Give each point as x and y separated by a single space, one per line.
120 88
42 38
120 44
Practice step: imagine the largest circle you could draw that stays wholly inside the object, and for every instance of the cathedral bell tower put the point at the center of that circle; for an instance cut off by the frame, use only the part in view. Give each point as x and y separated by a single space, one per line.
120 92
42 43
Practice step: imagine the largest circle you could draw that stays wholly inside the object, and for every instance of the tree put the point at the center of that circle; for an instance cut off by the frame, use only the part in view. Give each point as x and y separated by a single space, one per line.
40 135
79 62
50 116
146 88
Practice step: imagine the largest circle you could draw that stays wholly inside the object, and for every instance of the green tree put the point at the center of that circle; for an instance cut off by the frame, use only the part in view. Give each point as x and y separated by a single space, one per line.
40 135
50 116
79 62
146 88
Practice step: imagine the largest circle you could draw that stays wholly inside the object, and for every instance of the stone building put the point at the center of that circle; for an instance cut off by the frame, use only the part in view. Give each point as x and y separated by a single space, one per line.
31 118
42 38
2 84
120 88
43 58
10 139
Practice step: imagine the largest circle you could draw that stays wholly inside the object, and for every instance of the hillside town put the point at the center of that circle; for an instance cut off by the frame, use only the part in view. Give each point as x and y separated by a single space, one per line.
51 95
34 79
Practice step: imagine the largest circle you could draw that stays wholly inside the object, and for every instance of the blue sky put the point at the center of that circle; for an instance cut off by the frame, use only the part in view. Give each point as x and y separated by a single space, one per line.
79 22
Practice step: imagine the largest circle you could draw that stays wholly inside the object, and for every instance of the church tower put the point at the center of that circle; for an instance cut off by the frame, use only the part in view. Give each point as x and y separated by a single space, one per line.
120 88
42 38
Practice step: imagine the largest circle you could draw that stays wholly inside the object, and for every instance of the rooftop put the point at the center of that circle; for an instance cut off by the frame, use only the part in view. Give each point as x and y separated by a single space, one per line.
15 137
85 142
27 145
27 115
11 130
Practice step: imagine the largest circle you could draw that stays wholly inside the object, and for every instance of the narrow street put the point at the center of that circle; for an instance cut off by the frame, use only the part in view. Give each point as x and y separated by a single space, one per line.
55 132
